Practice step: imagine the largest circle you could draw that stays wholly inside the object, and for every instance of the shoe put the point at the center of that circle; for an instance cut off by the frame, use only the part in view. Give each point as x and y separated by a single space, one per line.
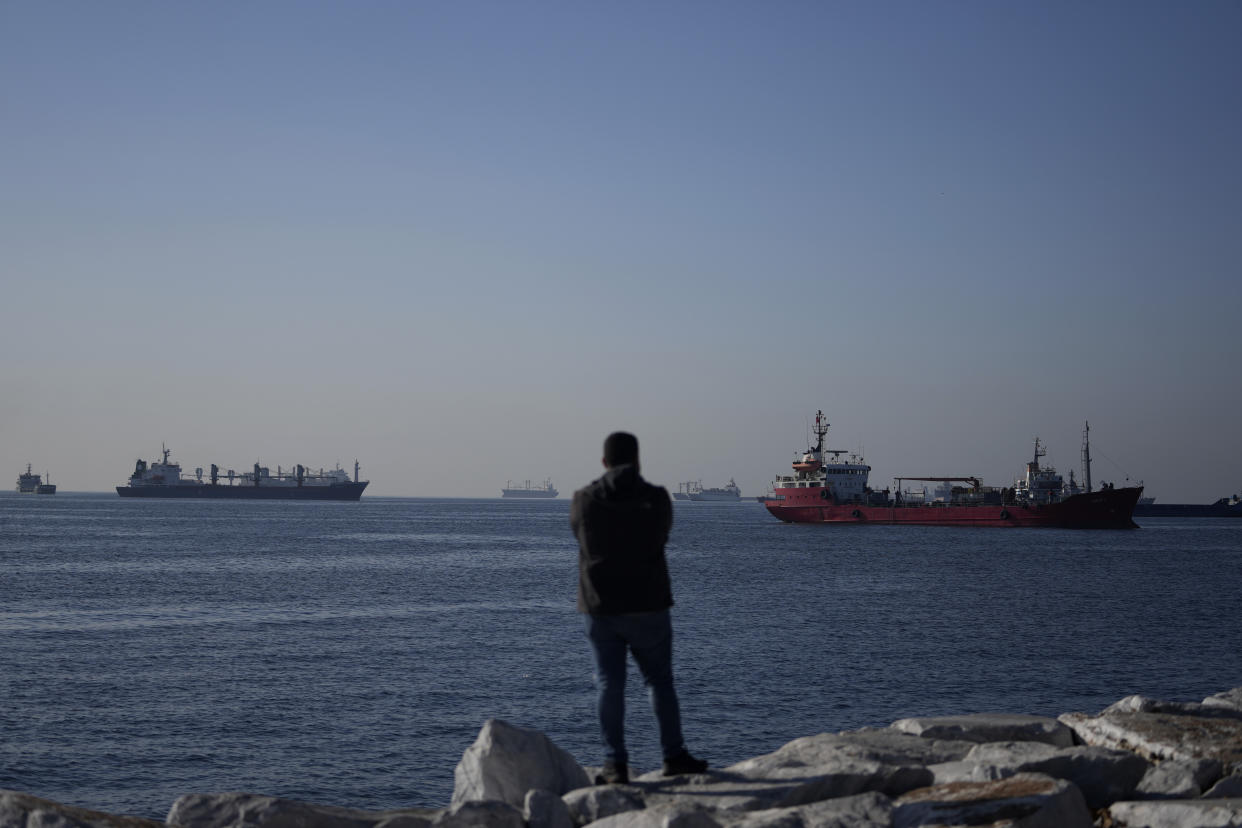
683 763
613 773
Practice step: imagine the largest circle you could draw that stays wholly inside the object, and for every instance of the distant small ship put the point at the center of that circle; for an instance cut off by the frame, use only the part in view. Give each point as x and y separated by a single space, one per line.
31 483
164 479
693 490
1225 507
728 492
545 489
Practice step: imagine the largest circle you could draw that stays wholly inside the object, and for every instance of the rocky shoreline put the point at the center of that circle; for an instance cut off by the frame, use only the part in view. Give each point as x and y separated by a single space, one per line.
1138 763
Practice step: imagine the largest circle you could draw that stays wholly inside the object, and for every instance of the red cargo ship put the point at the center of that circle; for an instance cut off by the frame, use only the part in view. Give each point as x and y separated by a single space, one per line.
824 488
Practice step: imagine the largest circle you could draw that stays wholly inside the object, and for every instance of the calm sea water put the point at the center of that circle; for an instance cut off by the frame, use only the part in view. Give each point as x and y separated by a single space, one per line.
348 653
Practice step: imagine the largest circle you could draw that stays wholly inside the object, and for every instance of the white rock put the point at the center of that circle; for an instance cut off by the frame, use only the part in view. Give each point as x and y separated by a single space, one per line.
835 765
21 810
866 810
663 816
586 805
544 809
506 761
1142 704
1030 800
1177 813
989 727
1159 736
233 810
774 784
1231 699
892 747
1178 779
1104 776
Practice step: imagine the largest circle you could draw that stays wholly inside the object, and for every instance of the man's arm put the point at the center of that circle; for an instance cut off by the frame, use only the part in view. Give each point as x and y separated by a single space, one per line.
575 513
666 507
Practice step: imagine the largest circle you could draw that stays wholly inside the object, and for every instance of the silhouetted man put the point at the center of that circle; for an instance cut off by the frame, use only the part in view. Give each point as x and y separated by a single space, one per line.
622 523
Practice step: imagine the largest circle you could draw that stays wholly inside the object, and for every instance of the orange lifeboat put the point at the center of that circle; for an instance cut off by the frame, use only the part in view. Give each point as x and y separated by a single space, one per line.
808 463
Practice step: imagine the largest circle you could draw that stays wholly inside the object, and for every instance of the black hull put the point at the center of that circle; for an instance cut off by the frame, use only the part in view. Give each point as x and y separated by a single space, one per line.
1187 510
205 491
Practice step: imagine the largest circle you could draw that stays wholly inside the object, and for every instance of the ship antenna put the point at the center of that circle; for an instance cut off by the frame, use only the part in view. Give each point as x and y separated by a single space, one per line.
1086 454
821 429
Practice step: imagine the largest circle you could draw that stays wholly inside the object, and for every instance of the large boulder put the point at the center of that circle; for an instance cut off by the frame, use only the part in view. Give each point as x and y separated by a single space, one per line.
663 816
1230 787
1030 800
832 765
1219 706
1230 699
885 744
1161 736
544 809
865 810
247 810
1178 779
989 727
1104 776
1177 813
507 761
588 805
481 814
20 810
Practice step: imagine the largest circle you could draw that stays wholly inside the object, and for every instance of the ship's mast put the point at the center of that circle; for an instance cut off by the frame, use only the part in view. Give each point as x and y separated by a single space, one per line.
1086 455
821 429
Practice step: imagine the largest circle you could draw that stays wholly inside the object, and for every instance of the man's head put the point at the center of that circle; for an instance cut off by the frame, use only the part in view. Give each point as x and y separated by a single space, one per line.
620 448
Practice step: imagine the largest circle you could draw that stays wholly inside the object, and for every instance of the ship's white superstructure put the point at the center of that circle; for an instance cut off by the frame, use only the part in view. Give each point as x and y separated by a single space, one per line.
820 467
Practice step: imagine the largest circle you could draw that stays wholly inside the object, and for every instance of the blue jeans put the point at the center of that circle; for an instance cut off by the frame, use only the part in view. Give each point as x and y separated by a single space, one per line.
649 636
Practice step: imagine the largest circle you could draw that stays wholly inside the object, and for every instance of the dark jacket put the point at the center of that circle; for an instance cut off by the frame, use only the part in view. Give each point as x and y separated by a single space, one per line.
622 523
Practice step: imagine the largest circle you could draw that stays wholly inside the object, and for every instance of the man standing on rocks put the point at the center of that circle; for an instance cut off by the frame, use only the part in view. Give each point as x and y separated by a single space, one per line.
622 523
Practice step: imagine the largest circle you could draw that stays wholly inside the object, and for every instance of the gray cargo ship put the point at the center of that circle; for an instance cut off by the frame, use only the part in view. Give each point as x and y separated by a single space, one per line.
544 490
163 479
31 483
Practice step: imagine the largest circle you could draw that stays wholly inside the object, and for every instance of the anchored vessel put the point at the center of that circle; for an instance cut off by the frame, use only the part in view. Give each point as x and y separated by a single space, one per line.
824 488
30 483
1225 507
545 489
729 492
163 479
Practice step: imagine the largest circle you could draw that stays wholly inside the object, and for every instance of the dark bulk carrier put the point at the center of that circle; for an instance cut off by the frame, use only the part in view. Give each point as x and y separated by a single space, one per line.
164 479
1225 507
545 489
826 489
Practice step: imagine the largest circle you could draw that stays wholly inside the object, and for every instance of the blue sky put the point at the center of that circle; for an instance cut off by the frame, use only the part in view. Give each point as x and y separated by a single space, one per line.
463 241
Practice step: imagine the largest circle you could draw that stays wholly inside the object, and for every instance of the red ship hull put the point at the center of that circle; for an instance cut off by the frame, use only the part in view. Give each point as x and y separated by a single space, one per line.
1104 509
